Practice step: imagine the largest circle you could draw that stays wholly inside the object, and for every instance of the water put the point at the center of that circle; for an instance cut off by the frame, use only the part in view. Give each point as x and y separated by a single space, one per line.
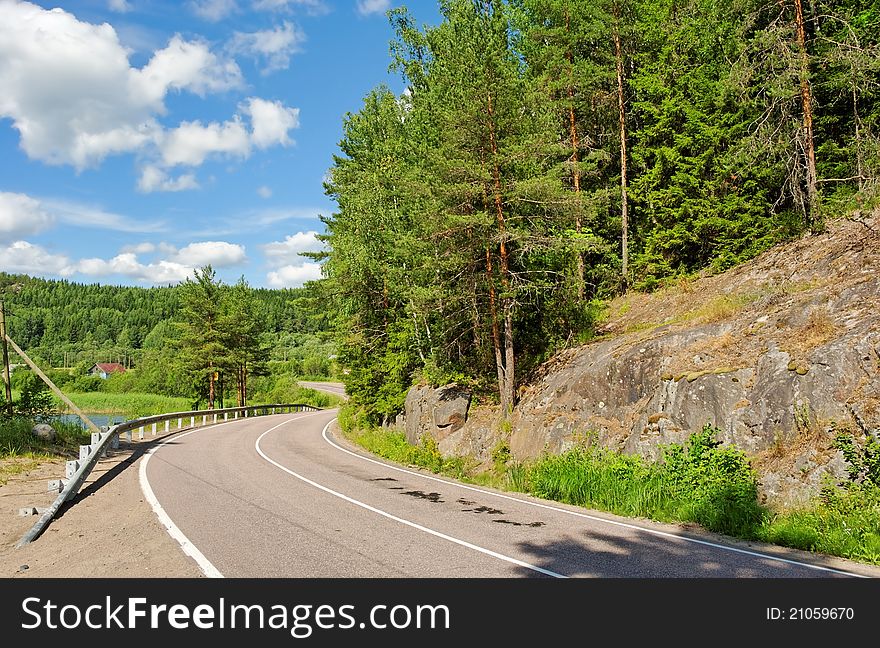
101 420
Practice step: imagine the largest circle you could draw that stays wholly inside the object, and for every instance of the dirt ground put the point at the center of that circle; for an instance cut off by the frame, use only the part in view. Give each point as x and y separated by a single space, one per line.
109 531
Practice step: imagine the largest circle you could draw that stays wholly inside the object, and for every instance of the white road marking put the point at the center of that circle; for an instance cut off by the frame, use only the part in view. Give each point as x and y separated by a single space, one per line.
188 547
592 517
208 569
373 509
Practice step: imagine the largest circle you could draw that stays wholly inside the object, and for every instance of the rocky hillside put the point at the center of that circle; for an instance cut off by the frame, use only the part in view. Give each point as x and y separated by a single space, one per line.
781 354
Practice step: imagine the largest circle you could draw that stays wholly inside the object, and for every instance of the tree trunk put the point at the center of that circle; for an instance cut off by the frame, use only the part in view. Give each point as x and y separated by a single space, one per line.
496 335
507 385
211 389
807 105
575 162
621 109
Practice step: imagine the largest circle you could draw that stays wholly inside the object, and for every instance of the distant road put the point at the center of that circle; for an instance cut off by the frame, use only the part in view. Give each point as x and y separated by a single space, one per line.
329 387
293 500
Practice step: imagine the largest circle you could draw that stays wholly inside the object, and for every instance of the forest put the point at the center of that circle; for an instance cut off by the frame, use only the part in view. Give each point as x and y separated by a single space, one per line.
549 154
172 340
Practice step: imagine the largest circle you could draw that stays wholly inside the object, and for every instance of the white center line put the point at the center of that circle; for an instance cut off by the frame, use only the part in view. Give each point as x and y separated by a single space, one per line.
373 509
594 518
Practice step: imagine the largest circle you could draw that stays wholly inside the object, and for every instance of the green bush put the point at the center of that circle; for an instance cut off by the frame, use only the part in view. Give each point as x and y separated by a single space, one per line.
845 522
86 384
35 398
700 482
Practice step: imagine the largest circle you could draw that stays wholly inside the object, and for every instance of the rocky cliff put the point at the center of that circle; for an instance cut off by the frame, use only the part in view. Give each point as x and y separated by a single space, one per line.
780 354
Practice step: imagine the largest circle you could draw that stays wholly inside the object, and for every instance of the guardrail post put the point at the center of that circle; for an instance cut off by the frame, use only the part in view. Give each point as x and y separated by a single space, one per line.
215 417
141 433
114 442
154 428
204 419
128 435
167 426
192 421
225 416
70 469
96 439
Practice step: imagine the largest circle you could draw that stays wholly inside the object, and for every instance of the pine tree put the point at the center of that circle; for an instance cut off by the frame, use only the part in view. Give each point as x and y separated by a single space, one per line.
201 339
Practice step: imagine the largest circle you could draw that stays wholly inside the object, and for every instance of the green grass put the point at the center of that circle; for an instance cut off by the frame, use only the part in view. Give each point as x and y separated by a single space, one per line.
394 446
699 482
20 450
132 405
842 522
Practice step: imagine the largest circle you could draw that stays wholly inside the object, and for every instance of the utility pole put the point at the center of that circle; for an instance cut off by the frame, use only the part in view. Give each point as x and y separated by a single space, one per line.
6 380
61 394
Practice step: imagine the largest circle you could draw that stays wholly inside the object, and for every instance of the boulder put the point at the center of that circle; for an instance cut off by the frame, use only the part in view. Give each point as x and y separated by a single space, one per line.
438 412
44 432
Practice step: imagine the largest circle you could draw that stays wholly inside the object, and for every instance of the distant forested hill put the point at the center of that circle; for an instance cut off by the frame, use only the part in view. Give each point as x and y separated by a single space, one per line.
65 323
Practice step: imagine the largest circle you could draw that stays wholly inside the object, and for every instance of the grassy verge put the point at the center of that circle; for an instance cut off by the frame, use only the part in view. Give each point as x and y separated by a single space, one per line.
842 522
132 405
20 450
698 482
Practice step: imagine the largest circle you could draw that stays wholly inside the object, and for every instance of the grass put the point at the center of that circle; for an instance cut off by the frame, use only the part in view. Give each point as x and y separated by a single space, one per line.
135 405
132 405
699 482
394 446
21 451
842 522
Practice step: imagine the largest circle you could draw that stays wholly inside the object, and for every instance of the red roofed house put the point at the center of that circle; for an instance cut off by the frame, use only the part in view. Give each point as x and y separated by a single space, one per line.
104 369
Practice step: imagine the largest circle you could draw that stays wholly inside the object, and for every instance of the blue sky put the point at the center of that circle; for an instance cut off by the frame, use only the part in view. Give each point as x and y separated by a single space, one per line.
143 138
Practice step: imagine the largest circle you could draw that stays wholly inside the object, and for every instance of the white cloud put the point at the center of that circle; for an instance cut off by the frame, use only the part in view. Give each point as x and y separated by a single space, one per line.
367 7
292 269
186 65
139 248
21 215
274 46
213 10
270 121
172 266
127 265
287 252
219 254
73 97
264 192
89 216
294 276
314 7
155 179
26 258
119 6
191 142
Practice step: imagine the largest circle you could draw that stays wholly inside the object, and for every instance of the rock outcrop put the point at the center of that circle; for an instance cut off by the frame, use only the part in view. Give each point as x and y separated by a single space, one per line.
780 354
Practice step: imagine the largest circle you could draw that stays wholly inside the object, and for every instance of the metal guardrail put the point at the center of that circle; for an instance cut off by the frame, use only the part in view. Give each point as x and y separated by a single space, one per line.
77 471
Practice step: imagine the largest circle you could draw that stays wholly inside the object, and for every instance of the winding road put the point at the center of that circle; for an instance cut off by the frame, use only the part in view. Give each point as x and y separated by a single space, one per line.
282 496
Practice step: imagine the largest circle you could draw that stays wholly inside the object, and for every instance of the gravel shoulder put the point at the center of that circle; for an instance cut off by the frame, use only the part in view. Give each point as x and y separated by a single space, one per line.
109 531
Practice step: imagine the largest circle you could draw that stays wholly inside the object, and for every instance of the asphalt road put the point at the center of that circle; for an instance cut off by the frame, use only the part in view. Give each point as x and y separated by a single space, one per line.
281 496
329 387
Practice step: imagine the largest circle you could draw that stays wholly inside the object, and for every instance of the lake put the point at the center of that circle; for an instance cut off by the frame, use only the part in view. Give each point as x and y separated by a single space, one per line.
100 420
